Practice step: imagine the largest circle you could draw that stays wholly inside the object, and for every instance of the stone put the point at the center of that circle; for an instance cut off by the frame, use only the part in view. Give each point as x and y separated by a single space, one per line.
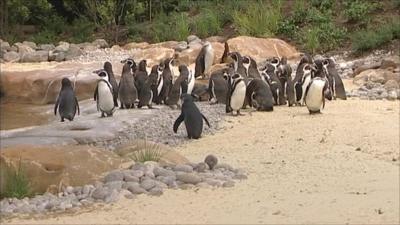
73 52
115 48
134 45
168 180
224 166
62 47
154 55
47 47
156 191
126 194
11 57
182 45
392 95
189 178
390 62
100 193
112 197
184 168
159 171
201 167
211 161
130 178
37 56
193 39
51 165
172 158
101 43
30 44
136 189
5 46
114 176
240 176
90 48
128 184
213 182
391 84
147 184
187 186
23 49
203 185
228 184
137 173
117 185
69 189
56 56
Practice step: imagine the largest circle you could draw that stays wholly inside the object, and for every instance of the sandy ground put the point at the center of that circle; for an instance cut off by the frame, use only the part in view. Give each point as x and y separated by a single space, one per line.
302 169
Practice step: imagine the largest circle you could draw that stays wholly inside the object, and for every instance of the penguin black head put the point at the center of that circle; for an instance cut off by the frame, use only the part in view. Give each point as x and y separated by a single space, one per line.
102 73
65 82
107 66
130 62
169 62
246 60
235 56
188 97
142 65
183 68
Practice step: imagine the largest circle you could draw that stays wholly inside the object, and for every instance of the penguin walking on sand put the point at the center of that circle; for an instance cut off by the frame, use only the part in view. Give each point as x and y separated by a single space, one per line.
67 103
315 95
192 117
236 93
204 60
103 95
127 92
112 81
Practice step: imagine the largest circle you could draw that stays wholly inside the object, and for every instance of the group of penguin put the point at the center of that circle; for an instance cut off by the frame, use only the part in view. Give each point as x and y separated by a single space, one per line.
240 84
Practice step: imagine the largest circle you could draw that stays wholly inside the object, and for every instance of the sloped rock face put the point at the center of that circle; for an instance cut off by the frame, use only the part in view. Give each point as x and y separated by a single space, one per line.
47 166
262 48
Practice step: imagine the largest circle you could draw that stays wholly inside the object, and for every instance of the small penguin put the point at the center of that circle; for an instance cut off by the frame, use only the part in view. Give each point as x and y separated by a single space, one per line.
251 68
167 75
67 103
204 60
112 80
236 93
335 81
103 94
300 87
315 95
127 92
259 95
217 85
192 117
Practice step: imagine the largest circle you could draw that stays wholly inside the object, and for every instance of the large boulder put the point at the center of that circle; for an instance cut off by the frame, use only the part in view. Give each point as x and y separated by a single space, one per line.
5 46
62 47
134 45
47 47
376 76
73 52
23 49
30 44
101 43
11 56
153 55
47 166
262 48
37 56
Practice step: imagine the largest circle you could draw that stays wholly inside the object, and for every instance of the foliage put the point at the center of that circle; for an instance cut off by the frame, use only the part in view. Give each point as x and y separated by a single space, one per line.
358 10
141 151
207 23
17 184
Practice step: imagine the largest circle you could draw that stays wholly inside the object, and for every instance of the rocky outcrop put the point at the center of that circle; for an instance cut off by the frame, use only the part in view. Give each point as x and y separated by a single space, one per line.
49 167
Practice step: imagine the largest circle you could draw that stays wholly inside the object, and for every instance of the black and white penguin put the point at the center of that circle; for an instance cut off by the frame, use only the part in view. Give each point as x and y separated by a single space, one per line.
179 87
192 117
251 68
300 87
131 63
269 75
127 92
112 80
224 58
103 94
259 95
335 81
238 63
315 94
284 72
236 93
204 60
167 75
191 81
156 79
217 85
67 103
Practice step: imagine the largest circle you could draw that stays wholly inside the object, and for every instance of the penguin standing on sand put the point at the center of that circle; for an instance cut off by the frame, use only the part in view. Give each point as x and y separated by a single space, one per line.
127 92
204 60
335 81
315 94
270 76
112 80
192 117
300 87
103 95
167 75
156 79
131 63
217 86
66 103
259 95
179 87
236 93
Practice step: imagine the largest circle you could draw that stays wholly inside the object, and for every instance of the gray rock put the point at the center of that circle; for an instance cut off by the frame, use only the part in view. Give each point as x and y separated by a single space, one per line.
69 189
147 184
130 178
167 180
47 47
159 171
117 185
100 193
62 47
240 176
203 185
138 167
156 191
37 56
126 194
56 56
228 184
224 166
136 189
182 45
101 43
211 161
73 52
189 178
30 44
213 182
201 167
86 189
114 176
77 190
90 48
184 168
113 196
392 95
11 57
193 39
4 46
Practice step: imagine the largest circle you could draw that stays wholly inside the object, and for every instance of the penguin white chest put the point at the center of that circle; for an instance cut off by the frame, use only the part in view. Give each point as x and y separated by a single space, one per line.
208 59
306 82
191 83
105 97
238 95
314 98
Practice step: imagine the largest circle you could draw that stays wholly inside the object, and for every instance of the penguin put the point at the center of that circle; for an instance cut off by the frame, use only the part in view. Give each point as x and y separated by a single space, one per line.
127 92
200 91
112 80
224 58
284 72
236 93
204 60
259 95
238 63
251 68
270 76
315 94
335 81
103 94
300 87
67 103
131 63
156 82
179 87
146 94
217 86
192 117
191 81
167 75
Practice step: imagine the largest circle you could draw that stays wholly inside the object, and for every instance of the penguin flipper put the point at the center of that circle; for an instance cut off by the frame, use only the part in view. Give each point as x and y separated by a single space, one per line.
95 93
308 87
205 119
77 106
56 105
178 122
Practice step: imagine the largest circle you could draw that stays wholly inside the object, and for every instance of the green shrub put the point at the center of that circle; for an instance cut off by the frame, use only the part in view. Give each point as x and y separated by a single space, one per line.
258 19
358 10
148 152
207 23
324 37
323 4
17 184
311 40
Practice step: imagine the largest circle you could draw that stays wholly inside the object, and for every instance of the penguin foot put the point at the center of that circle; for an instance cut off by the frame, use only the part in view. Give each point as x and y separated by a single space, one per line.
239 114
102 115
62 119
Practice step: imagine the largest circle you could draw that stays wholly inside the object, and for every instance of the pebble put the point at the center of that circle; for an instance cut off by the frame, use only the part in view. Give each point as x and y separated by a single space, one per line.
201 167
114 185
114 176
100 193
147 184
189 178
159 171
184 168
156 191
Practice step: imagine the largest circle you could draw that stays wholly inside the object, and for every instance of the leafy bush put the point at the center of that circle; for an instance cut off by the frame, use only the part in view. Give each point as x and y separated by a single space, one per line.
207 23
357 10
324 37
323 4
17 184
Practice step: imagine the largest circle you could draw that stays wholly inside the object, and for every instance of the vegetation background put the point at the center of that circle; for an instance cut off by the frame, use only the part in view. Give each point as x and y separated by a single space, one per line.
316 26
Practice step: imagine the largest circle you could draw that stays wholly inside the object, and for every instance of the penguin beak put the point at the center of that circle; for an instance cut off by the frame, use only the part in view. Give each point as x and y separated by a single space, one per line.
96 71
123 61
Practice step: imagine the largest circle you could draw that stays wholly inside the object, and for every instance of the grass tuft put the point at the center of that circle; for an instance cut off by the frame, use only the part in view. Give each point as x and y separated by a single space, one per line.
17 183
